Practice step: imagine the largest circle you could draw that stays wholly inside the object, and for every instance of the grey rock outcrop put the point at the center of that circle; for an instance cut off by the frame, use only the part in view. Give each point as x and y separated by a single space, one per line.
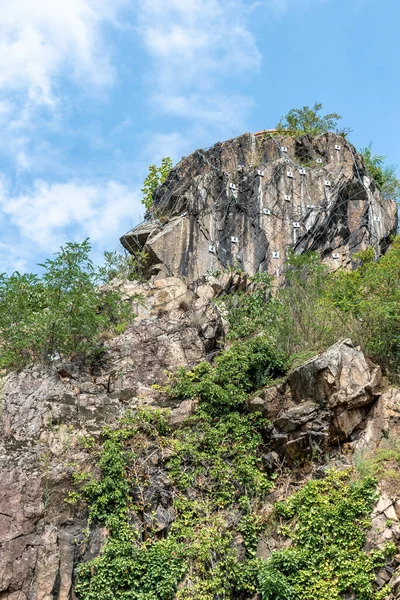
246 201
322 402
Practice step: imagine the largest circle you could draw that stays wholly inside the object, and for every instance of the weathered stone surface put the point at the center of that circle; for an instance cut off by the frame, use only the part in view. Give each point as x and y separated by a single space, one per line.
341 379
169 300
46 409
181 413
322 402
217 198
385 526
267 545
38 529
135 240
383 421
394 585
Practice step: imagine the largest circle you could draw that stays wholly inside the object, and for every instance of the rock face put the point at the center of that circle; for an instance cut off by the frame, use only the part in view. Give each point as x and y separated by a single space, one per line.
246 201
383 421
44 411
322 402
238 203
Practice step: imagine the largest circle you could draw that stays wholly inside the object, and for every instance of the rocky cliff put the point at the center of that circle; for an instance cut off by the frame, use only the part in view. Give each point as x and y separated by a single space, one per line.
246 201
46 409
338 398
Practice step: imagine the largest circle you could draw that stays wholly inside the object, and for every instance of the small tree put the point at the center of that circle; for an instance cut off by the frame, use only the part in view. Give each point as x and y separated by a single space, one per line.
122 265
306 120
155 177
384 176
63 313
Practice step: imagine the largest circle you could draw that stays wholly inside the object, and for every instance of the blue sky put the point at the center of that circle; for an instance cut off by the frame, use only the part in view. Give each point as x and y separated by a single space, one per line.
93 91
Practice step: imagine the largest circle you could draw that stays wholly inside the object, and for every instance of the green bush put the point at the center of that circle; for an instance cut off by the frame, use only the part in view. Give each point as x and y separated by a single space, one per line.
384 176
123 570
369 299
303 319
126 567
219 487
155 177
315 308
62 313
131 267
382 463
246 311
327 522
221 460
298 316
225 385
306 120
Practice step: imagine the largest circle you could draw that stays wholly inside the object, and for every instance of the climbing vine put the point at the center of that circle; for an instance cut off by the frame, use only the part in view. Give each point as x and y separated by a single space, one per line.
327 522
215 469
225 385
211 477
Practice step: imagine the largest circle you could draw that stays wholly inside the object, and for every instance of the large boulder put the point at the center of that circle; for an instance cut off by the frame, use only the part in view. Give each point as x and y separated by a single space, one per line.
322 402
246 201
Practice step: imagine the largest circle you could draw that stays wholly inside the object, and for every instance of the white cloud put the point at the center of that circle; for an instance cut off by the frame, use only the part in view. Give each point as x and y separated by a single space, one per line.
43 45
173 144
221 110
47 214
196 47
39 38
13 258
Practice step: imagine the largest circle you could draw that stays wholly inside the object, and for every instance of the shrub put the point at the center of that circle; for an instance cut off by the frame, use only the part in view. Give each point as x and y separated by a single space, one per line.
220 460
327 522
306 120
381 463
384 176
315 308
62 313
155 177
218 487
370 296
304 320
297 317
225 385
246 311
124 266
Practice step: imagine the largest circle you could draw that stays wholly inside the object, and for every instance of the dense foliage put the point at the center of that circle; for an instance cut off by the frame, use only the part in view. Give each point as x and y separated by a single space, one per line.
306 120
316 307
156 176
369 300
327 521
121 265
225 385
219 487
383 175
214 467
59 314
382 463
139 563
220 458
